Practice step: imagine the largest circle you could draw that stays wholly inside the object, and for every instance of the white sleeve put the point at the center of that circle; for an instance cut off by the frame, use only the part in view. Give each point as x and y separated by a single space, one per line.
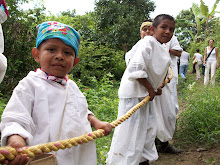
3 66
16 118
1 40
174 44
138 65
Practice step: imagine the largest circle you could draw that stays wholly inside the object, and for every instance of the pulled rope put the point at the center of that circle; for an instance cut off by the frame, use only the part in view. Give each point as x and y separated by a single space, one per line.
10 153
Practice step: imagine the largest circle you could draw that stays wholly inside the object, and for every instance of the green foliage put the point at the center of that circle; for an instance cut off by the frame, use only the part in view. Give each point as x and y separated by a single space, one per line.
117 22
97 61
200 121
19 36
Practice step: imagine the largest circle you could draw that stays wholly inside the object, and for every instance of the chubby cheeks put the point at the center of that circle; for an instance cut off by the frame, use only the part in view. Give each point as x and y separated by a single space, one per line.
55 57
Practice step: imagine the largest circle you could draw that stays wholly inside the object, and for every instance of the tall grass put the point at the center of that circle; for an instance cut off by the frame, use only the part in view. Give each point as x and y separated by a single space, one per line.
199 123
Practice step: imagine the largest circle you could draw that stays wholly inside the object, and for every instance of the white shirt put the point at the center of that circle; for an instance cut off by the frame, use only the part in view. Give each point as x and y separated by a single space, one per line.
174 44
184 58
151 61
35 110
212 57
198 56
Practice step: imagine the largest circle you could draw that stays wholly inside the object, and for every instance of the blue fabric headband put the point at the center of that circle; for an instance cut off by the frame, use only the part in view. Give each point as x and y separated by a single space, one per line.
53 29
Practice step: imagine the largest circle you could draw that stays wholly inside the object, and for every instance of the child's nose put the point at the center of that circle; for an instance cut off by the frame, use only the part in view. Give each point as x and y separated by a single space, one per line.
59 56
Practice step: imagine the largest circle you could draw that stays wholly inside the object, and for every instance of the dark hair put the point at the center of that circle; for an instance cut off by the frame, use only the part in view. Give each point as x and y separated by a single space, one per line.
210 39
161 17
184 49
197 50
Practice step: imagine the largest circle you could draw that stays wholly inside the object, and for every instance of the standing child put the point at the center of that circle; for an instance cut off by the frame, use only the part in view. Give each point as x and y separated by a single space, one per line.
3 59
133 140
46 105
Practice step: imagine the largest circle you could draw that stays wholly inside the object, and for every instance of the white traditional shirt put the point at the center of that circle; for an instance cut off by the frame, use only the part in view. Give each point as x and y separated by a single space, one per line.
129 55
151 61
35 111
174 44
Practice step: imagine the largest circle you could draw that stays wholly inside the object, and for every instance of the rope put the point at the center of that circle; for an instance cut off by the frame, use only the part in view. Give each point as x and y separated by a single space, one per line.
10 153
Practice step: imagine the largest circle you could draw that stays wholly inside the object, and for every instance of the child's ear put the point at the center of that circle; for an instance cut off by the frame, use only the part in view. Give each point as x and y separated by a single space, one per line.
35 53
152 28
76 60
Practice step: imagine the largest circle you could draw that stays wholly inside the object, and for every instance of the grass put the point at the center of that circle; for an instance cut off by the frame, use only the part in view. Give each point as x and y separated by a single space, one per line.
199 122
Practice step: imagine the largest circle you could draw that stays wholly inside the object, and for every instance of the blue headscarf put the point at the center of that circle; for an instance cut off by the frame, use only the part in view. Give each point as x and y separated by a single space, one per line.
53 29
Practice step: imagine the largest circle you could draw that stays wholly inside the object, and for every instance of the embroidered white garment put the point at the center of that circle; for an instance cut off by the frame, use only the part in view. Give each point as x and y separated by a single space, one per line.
35 110
62 81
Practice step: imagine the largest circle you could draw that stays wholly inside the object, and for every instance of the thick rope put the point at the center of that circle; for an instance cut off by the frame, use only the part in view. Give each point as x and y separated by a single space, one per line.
10 153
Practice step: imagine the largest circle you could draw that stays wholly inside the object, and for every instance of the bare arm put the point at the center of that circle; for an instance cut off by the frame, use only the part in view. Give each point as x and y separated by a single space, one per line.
217 57
175 52
146 84
205 56
97 124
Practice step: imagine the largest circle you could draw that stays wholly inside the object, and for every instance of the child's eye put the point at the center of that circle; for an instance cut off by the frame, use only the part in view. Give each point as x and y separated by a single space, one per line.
51 49
68 53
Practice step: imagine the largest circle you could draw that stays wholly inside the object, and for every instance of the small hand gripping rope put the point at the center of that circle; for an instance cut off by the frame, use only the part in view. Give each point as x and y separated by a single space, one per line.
10 153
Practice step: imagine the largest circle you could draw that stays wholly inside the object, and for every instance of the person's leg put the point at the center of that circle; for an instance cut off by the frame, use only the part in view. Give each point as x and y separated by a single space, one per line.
182 72
203 69
150 151
213 72
185 69
198 71
129 137
206 77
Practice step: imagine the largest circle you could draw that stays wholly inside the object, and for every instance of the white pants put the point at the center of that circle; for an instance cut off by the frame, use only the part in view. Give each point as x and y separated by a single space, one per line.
197 66
133 140
165 115
173 86
209 65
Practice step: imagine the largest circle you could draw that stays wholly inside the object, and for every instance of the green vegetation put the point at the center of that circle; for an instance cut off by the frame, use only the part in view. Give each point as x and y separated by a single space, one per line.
199 122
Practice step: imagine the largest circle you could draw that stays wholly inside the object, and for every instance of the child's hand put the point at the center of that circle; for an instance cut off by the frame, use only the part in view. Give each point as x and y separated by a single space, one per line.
97 124
159 91
151 94
104 125
17 142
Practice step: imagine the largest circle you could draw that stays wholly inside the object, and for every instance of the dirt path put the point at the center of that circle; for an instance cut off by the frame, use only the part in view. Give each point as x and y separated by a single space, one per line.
191 155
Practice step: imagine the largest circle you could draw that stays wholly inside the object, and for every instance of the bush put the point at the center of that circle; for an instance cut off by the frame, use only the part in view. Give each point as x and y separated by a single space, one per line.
97 61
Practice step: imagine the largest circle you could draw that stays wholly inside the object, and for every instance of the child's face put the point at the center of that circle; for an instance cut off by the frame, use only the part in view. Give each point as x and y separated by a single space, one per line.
164 31
55 57
146 31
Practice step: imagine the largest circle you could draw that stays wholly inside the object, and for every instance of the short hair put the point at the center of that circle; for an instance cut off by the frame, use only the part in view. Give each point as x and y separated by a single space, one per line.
197 50
184 49
161 17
